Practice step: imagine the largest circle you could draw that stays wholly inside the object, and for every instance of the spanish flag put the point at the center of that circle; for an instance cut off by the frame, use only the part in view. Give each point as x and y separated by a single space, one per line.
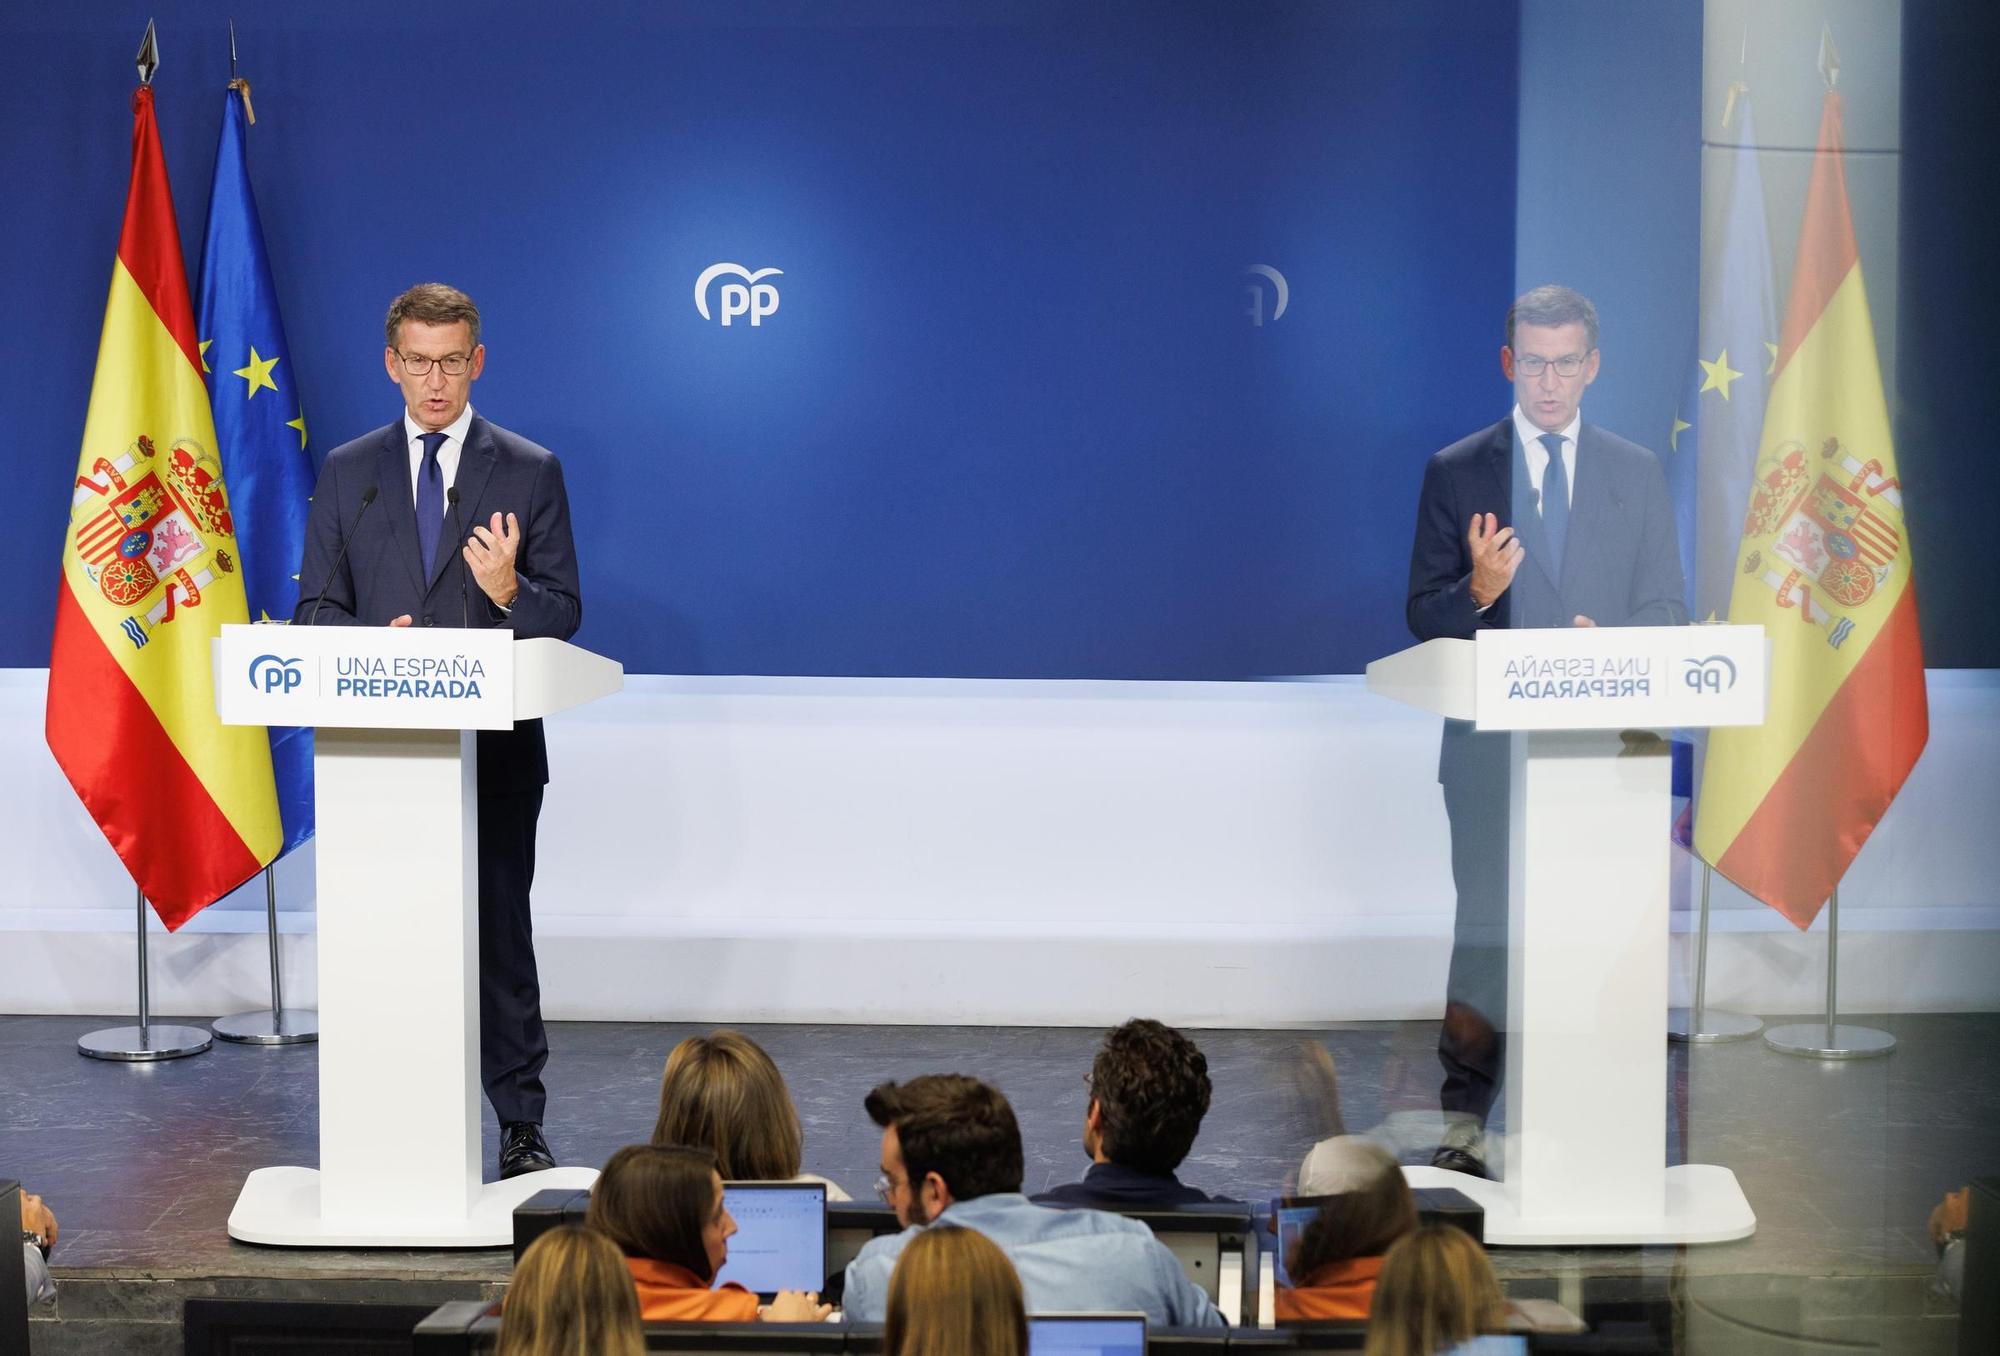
1825 566
149 577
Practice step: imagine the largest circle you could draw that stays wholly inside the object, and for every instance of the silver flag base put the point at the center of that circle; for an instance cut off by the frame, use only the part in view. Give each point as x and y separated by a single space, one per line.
1808 1040
1716 1026
287 1026
143 1044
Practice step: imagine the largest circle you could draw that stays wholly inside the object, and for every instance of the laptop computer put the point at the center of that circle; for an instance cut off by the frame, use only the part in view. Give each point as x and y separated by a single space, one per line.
1289 1217
780 1241
1087 1335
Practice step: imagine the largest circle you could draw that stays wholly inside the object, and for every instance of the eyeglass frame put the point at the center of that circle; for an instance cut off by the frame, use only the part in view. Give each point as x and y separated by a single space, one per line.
1532 365
408 360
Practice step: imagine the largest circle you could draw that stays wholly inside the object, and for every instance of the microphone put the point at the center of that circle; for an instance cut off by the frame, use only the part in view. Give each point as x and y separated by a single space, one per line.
458 537
367 498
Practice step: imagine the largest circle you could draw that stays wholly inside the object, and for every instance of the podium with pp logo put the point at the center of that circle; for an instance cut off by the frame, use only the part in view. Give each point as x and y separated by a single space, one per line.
395 770
1588 818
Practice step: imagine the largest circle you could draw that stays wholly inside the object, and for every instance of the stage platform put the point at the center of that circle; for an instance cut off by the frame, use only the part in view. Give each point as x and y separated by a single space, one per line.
1842 1163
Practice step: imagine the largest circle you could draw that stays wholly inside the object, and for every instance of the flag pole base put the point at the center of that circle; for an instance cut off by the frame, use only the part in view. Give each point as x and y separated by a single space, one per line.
143 1044
287 1026
1808 1040
1716 1026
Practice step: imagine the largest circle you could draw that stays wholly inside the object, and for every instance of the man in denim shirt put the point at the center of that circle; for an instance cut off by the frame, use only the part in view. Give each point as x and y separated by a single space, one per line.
951 1155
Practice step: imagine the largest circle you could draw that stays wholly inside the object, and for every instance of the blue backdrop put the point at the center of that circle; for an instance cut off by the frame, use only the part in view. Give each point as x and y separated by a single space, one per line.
1011 418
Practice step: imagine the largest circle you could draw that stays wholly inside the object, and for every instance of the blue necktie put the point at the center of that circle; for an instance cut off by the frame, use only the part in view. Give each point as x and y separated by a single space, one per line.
1555 502
430 501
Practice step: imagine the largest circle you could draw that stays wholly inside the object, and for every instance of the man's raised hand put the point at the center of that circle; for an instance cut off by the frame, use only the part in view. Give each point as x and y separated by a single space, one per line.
1496 554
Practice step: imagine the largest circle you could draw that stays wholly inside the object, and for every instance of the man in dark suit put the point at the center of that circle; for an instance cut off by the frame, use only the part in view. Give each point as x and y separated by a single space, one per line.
1539 521
410 561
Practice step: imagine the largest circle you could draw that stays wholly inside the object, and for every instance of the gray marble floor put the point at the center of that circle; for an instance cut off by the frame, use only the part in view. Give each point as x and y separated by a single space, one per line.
1842 1162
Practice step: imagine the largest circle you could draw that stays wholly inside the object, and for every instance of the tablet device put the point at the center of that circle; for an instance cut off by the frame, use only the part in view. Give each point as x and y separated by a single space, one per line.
1087 1335
1289 1217
780 1241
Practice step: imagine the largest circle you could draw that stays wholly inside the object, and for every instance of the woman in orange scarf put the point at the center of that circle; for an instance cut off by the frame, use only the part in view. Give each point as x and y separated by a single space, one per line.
1339 1256
663 1207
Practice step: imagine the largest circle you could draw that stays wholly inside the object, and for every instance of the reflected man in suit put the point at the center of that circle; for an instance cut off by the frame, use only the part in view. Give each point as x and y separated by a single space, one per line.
1541 520
411 561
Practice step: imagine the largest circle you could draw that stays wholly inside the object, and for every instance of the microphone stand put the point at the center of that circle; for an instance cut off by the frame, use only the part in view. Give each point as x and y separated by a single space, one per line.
458 540
367 498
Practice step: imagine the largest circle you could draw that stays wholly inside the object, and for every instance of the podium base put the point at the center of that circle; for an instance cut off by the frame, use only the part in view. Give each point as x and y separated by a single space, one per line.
1704 1205
279 1207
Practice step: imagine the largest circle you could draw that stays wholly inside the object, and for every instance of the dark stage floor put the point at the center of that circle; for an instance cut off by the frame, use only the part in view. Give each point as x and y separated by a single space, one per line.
1842 1162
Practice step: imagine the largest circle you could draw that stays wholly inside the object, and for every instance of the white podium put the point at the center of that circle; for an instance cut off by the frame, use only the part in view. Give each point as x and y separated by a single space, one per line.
1584 1158
395 764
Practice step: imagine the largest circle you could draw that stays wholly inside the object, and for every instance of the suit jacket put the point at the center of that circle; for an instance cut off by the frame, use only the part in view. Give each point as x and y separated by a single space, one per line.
1621 563
381 577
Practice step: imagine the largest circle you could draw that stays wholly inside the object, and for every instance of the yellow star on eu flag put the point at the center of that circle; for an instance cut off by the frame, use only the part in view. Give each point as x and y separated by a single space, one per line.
1717 374
204 355
1771 349
258 373
299 424
1674 438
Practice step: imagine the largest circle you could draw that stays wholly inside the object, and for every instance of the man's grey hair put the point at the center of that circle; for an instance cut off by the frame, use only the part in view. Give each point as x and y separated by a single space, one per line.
1549 305
441 304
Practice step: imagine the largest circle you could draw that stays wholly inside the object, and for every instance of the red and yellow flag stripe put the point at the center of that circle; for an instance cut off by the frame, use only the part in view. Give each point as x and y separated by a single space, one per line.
1825 566
149 578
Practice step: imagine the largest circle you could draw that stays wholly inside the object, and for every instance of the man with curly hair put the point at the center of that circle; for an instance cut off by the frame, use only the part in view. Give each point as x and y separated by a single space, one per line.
1149 1090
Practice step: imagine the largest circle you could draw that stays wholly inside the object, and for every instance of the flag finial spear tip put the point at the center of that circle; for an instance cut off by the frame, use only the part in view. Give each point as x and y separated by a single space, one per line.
148 59
232 49
1829 57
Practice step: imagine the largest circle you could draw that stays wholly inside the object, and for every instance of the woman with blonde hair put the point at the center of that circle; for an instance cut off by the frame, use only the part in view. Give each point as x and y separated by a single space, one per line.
1436 1291
571 1296
954 1293
663 1207
724 1094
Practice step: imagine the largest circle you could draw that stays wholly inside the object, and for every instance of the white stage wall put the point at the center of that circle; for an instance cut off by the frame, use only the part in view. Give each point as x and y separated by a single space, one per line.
758 849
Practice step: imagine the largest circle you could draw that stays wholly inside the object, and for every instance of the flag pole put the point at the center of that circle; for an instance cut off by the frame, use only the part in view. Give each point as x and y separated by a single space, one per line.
1701 1026
147 1041
280 1025
1833 1039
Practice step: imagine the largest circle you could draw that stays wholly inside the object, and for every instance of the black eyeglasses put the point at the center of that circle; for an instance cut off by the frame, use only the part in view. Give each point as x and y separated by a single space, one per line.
1534 364
417 365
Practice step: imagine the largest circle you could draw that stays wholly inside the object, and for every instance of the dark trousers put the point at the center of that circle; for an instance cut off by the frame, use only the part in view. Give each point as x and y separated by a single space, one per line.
513 1046
1472 1042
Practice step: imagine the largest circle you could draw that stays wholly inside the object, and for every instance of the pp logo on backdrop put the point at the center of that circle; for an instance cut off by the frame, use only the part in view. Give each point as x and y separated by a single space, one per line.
1716 674
273 673
1268 285
752 297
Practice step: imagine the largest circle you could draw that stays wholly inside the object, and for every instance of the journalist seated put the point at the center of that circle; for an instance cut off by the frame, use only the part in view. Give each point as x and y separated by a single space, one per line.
954 1293
1149 1090
951 1154
723 1093
1338 1259
663 1207
571 1293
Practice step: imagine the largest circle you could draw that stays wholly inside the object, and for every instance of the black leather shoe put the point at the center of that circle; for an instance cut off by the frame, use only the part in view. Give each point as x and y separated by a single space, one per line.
522 1149
1459 1160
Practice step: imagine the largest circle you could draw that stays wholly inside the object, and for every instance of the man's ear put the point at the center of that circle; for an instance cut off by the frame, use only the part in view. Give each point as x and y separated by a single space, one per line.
1093 1119
934 1184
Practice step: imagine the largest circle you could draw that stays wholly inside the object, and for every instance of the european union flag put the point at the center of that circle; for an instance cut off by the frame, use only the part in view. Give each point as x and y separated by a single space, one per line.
1713 448
260 424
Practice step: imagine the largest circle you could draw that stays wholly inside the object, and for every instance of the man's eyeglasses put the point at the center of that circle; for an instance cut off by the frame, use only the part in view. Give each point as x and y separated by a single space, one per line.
417 365
885 1187
1534 364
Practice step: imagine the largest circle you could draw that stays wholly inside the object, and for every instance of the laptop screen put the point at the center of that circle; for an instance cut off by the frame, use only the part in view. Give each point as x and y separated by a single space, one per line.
780 1241
1292 1215
1087 1335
